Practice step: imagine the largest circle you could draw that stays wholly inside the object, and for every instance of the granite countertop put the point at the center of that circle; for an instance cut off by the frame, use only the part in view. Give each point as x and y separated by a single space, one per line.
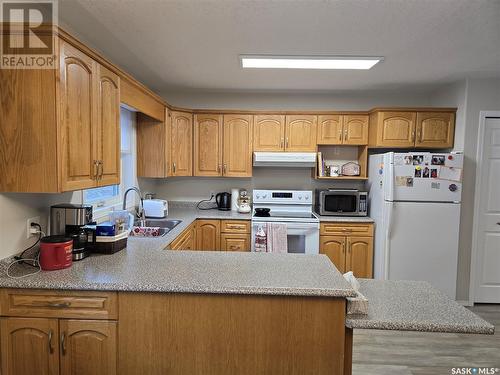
414 306
345 219
144 266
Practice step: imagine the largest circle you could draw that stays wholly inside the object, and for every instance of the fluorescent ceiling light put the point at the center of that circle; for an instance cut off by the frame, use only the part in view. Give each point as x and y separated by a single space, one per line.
309 62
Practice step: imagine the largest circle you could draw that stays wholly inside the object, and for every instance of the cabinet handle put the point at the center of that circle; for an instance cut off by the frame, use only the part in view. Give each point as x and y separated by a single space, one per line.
225 168
340 134
174 167
282 143
233 247
51 348
59 305
219 168
343 247
63 343
101 169
413 135
345 135
286 146
96 170
349 245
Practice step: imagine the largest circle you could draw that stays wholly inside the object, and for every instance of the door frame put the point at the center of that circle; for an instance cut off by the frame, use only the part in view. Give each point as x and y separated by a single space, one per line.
483 115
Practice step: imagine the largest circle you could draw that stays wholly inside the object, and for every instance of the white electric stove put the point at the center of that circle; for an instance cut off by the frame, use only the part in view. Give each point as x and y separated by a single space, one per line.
293 208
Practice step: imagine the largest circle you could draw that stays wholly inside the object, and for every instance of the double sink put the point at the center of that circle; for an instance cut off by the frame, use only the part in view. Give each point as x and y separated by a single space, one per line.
165 225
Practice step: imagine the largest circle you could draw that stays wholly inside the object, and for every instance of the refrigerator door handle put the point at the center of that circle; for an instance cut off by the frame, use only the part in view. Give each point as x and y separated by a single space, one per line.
388 176
387 240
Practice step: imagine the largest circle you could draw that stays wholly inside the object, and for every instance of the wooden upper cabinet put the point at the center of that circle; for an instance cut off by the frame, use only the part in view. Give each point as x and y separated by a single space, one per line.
181 144
334 247
237 138
269 133
330 129
300 133
29 346
392 129
88 347
153 148
359 258
207 145
208 235
108 139
78 119
355 129
435 129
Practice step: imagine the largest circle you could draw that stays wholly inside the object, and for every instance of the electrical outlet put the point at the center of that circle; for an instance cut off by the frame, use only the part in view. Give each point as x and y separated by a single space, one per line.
31 231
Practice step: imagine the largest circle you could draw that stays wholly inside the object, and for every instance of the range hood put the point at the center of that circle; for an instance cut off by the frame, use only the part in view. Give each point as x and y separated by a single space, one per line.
284 159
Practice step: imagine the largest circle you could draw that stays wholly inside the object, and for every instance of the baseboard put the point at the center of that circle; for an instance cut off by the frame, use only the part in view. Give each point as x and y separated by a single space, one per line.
465 303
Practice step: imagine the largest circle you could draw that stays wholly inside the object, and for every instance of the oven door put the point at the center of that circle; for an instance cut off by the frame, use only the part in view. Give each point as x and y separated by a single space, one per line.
340 203
302 238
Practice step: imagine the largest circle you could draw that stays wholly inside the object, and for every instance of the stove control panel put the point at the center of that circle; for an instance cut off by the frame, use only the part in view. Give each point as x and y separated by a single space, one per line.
283 196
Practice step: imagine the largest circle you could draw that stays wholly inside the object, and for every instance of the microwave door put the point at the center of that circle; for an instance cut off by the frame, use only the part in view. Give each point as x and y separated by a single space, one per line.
341 203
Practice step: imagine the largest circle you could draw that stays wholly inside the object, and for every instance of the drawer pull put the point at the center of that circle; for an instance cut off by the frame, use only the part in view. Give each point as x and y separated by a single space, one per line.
59 305
233 247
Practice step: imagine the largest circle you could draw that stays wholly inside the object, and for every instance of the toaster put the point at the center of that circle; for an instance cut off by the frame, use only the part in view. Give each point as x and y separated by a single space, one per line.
155 208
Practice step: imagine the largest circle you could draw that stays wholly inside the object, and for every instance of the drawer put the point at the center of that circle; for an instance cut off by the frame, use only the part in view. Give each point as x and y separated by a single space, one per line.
235 242
58 304
235 226
343 228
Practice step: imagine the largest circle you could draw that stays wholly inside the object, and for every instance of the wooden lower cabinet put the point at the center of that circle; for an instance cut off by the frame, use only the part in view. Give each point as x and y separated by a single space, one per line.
208 235
359 257
58 346
334 248
29 346
88 347
348 250
186 240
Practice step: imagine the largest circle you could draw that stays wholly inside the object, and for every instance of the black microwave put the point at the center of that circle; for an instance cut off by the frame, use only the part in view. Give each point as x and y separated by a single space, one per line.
342 202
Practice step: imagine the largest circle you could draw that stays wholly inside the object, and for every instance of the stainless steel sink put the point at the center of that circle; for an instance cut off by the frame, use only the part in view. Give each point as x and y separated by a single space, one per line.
164 225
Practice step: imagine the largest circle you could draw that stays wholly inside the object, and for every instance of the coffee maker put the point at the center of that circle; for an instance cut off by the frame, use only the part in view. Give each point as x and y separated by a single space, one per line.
70 220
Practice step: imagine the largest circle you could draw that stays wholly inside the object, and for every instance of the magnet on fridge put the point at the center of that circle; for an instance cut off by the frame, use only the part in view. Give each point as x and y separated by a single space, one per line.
409 182
418 172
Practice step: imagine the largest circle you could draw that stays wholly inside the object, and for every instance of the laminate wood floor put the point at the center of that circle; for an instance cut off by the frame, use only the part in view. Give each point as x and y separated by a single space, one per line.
419 353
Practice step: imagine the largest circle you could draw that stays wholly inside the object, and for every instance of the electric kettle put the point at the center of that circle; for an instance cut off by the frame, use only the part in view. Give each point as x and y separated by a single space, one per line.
223 201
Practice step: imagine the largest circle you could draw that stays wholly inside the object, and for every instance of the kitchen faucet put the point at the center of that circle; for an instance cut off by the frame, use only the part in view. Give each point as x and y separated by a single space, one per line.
140 213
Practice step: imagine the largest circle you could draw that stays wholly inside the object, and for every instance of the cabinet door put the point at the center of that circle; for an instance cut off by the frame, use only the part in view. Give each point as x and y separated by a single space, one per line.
396 129
235 242
356 129
208 145
88 347
108 135
334 247
29 346
238 135
181 144
330 129
207 234
269 133
435 129
359 257
300 133
78 119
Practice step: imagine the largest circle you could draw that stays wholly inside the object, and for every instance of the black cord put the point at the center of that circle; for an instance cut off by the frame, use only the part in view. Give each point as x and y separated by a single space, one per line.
20 256
206 200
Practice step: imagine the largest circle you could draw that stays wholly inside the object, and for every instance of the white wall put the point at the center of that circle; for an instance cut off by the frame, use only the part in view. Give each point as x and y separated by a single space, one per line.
471 96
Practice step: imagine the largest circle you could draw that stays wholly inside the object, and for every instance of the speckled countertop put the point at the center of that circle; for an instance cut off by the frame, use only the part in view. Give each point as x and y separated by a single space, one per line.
345 219
414 306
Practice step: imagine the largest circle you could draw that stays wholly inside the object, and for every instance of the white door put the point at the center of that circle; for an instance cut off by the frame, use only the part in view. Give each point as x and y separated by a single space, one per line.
423 243
488 226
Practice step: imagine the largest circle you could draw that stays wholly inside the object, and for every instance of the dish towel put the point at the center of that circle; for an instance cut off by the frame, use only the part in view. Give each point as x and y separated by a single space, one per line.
277 238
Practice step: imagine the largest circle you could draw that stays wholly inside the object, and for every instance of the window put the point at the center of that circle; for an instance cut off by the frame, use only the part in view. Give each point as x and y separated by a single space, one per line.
107 198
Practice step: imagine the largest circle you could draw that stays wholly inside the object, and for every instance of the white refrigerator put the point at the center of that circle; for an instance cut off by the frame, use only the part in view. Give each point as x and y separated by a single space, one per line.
414 199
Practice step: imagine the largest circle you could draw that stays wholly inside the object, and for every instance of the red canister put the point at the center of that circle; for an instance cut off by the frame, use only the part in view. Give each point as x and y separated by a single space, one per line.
55 252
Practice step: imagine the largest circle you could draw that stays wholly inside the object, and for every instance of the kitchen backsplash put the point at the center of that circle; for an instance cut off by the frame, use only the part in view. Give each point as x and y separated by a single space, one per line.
197 188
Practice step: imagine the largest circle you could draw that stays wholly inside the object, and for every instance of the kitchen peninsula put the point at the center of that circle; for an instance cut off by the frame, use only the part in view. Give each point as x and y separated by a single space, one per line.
153 311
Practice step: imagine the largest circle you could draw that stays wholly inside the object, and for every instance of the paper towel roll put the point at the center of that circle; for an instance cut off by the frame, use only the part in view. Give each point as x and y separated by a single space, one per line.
235 194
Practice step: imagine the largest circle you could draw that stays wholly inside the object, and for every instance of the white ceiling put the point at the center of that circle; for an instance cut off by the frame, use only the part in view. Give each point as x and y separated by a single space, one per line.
190 44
